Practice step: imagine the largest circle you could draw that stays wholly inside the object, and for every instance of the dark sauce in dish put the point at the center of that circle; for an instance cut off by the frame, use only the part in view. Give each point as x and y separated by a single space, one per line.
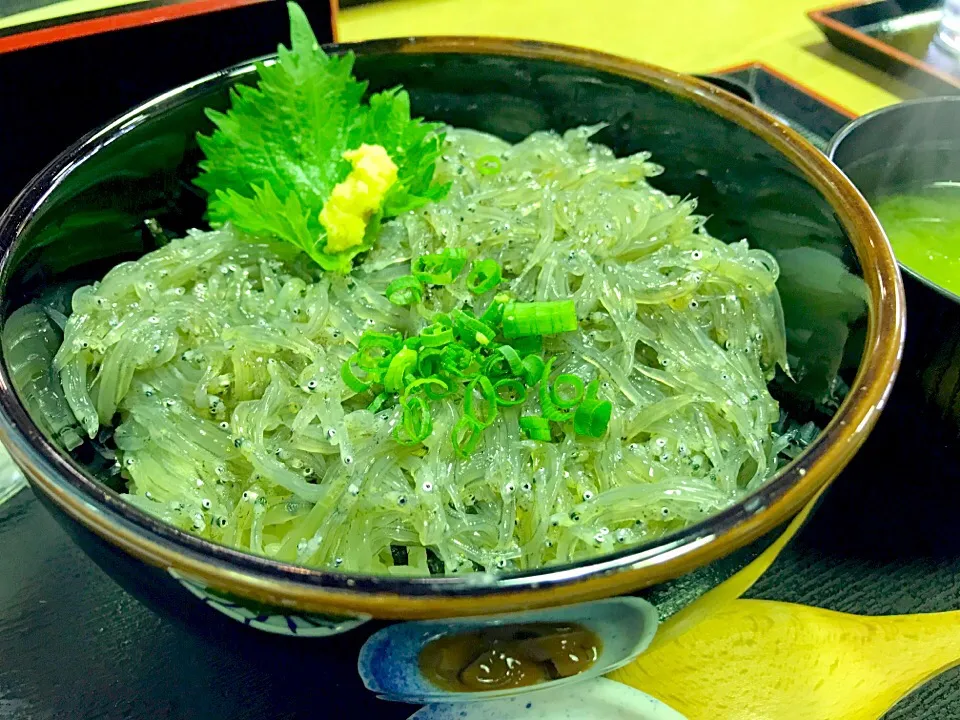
509 656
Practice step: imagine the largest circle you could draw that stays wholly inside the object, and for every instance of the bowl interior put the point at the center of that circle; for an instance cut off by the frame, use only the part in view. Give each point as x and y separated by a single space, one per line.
94 215
86 212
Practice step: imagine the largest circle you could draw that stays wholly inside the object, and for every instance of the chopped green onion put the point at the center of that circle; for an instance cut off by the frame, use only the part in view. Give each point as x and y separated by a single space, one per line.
428 384
375 349
435 335
496 366
484 388
592 418
536 428
547 406
493 315
488 165
484 276
510 392
460 353
472 331
465 435
402 363
592 389
459 362
566 391
528 345
405 290
457 258
429 361
391 342
533 367
440 269
513 359
416 424
539 318
378 402
504 361
349 376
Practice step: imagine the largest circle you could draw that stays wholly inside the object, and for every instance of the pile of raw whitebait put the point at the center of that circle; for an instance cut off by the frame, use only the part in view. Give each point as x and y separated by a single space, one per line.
219 360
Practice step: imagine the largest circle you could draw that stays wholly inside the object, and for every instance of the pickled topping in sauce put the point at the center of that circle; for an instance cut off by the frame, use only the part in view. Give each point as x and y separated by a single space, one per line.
497 658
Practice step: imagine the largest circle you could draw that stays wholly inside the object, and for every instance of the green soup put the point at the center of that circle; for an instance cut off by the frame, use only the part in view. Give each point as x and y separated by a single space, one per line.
924 229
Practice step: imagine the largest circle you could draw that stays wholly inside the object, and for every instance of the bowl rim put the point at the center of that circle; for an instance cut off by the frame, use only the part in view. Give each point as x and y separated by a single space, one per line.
851 127
302 589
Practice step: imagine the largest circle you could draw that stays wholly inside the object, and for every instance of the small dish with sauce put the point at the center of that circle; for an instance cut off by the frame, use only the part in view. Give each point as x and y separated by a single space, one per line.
482 658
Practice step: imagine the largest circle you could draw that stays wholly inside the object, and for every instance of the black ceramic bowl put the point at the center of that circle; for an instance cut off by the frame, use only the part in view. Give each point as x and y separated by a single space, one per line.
754 177
900 148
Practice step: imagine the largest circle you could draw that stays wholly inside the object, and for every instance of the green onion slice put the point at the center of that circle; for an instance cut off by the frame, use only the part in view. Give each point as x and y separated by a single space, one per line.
592 418
488 165
566 391
459 362
533 367
379 401
532 344
485 412
350 377
493 315
465 435
539 318
433 387
536 428
391 342
376 349
405 290
436 335
504 361
401 364
510 392
484 276
415 424
495 366
592 389
514 361
471 331
441 268
429 361
547 406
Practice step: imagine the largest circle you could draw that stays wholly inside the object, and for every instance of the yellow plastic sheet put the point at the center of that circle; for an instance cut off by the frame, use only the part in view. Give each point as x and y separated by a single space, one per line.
684 35
764 660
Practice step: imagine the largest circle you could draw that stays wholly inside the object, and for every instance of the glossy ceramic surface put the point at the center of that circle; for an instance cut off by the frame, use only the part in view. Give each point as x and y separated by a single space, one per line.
895 36
812 115
754 177
904 146
599 699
